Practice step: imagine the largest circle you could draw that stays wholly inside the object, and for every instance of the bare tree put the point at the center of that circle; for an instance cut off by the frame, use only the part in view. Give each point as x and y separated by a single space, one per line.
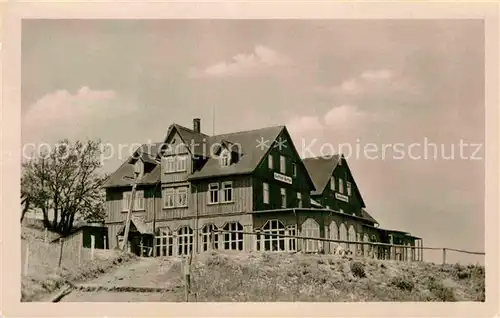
66 180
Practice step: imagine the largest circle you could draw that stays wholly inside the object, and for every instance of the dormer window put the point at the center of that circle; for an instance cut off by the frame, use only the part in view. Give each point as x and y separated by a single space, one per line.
139 168
225 158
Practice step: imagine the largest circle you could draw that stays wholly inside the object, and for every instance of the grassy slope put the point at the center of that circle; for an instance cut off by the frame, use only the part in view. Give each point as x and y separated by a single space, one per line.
282 277
44 277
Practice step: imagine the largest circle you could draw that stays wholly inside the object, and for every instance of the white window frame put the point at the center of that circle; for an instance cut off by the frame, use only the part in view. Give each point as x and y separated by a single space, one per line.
341 185
169 198
299 199
227 187
265 192
181 197
273 243
213 188
185 239
283 198
208 238
270 163
233 241
282 164
225 158
291 243
181 163
139 166
138 202
332 183
294 169
349 188
126 200
311 228
170 165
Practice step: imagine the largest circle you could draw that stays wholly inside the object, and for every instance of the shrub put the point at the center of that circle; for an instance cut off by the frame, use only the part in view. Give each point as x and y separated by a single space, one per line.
443 293
358 269
403 283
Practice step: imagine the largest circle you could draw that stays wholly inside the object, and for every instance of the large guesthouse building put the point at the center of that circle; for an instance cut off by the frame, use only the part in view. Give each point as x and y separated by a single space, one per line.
199 192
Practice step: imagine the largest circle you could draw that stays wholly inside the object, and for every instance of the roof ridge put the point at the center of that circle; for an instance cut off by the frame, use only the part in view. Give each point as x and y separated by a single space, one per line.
189 129
249 130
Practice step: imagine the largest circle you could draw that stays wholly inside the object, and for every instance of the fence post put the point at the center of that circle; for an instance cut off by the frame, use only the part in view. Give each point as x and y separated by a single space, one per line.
142 247
92 246
60 252
105 242
27 258
444 255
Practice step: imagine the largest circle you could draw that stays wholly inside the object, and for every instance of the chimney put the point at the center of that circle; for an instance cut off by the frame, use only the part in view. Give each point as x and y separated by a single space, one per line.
196 125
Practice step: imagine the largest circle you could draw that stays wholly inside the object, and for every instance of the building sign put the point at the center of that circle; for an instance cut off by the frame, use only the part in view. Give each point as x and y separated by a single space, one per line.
341 197
282 178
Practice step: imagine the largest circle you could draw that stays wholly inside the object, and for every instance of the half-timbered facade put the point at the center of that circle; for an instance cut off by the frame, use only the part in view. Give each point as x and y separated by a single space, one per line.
199 192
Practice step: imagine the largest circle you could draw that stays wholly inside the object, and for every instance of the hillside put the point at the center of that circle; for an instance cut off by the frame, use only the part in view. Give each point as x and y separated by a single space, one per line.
283 277
43 275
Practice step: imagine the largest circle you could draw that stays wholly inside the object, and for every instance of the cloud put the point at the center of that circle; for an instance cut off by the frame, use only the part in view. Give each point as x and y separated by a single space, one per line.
242 64
368 81
62 114
346 117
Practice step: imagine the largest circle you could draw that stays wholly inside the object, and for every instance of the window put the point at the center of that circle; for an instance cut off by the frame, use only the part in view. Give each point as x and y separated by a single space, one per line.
182 197
352 238
310 228
341 186
332 183
233 240
164 243
169 164
210 239
138 201
168 197
282 164
225 158
213 193
270 161
181 163
343 235
266 192
184 240
274 243
126 201
348 184
299 199
334 235
291 242
227 191
139 168
283 197
294 169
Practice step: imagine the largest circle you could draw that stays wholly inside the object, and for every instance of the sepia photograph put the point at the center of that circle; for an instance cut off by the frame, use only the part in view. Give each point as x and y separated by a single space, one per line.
177 160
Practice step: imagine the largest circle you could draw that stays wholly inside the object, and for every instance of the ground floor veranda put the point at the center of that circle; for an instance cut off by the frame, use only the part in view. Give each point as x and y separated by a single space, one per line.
287 230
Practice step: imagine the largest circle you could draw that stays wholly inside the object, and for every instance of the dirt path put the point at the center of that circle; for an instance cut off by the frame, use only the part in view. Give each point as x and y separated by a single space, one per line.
148 279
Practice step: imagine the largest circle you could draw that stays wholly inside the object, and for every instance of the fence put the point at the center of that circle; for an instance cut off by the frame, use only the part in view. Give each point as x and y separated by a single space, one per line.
44 257
174 245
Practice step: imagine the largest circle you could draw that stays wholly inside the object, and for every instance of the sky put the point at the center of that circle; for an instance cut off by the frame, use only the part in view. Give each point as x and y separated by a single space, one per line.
359 82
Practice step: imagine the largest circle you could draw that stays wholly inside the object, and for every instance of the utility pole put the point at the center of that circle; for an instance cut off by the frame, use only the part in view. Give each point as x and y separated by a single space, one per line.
129 214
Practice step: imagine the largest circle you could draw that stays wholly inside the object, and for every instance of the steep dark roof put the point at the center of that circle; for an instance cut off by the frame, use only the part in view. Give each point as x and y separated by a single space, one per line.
122 176
368 217
250 153
320 169
192 139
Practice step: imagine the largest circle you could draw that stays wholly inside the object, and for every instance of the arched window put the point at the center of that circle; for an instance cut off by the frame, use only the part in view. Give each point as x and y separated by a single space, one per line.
343 235
367 248
274 243
210 239
233 240
225 158
334 235
184 240
310 228
352 237
164 242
